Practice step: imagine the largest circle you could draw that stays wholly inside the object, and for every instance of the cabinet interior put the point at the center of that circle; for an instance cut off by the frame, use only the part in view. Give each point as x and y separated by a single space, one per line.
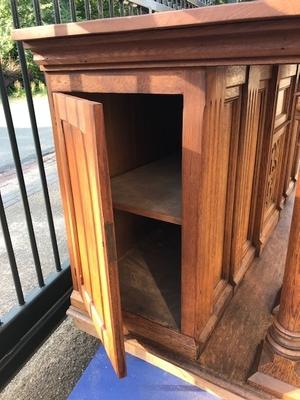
144 140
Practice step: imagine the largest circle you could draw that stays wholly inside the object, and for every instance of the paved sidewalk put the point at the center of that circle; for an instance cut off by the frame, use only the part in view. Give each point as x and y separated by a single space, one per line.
53 370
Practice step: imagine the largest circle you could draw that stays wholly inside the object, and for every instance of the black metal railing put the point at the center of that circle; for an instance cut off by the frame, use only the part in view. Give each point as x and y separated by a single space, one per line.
19 327
36 311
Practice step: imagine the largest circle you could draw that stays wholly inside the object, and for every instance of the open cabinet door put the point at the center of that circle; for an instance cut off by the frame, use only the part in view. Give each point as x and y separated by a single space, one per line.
88 208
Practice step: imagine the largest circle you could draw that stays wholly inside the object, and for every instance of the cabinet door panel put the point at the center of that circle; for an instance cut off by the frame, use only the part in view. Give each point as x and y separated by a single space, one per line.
255 98
89 214
296 157
274 153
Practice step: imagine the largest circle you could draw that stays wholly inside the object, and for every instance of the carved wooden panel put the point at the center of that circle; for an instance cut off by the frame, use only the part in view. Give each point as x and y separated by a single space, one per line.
283 101
296 157
291 169
274 173
287 73
227 106
255 97
274 153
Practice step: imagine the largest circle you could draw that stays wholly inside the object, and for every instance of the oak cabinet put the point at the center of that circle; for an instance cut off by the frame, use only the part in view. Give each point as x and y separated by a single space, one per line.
161 224
130 163
174 163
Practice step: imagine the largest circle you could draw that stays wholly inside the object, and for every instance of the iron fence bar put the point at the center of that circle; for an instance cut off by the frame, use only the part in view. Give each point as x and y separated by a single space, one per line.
87 9
100 8
111 8
20 177
36 140
11 254
37 12
72 10
121 4
57 17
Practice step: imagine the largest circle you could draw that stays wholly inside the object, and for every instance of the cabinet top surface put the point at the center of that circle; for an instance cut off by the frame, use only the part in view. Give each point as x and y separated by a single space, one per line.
261 10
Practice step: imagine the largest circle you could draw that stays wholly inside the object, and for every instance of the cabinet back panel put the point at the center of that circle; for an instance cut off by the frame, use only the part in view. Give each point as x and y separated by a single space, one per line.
140 128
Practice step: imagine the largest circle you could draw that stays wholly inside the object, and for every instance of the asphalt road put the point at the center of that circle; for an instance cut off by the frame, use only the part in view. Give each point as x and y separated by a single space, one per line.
23 131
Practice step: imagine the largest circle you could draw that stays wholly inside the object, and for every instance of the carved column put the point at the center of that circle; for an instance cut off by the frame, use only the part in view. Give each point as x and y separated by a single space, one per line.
279 367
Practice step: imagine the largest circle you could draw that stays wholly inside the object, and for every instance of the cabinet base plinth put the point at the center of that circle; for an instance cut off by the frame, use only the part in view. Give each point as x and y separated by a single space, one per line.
148 330
277 374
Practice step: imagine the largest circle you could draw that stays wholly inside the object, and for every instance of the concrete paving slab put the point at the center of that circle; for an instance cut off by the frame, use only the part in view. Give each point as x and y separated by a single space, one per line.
52 372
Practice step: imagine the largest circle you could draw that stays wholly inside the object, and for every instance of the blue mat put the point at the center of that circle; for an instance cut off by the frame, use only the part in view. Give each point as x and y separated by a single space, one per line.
143 382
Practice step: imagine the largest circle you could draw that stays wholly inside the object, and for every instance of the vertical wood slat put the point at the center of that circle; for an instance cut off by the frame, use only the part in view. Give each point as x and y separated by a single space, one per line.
68 201
191 165
79 215
266 151
235 114
210 247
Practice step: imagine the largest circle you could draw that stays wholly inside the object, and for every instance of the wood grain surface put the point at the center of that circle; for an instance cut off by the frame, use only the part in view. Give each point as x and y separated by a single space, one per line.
260 10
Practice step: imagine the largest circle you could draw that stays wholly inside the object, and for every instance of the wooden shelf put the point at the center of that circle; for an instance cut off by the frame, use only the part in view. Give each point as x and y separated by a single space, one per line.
154 263
153 190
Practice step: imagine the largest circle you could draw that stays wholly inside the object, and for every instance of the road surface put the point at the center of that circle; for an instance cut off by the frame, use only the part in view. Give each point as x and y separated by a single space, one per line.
23 131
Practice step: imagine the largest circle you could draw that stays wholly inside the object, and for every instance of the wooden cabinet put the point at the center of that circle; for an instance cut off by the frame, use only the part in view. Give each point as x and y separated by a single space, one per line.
172 162
131 164
160 223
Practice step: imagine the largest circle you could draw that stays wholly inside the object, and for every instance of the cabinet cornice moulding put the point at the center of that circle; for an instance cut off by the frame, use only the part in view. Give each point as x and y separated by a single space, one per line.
256 32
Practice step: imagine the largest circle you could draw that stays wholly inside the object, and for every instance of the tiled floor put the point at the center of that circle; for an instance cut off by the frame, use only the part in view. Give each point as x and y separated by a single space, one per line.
143 382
